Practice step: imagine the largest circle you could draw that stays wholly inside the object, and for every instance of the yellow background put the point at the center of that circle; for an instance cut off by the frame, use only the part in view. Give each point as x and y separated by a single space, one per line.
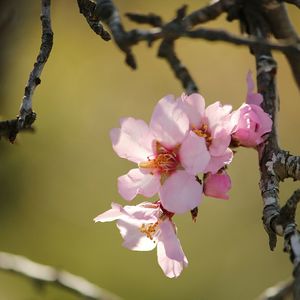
55 181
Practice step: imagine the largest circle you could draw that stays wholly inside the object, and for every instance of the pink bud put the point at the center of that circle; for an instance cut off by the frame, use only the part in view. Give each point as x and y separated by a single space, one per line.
217 185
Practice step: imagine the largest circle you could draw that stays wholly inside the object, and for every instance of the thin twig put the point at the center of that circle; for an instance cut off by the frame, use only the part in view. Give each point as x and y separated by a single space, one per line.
43 274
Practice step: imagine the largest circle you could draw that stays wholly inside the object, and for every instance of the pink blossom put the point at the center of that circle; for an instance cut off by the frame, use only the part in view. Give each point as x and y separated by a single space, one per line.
250 122
211 124
217 185
146 226
168 157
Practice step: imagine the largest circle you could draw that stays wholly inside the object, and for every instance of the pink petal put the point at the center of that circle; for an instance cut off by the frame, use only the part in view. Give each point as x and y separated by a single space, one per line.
250 82
193 154
217 185
111 215
247 138
136 182
218 162
134 239
169 124
251 124
194 107
255 98
133 140
215 114
220 141
252 98
144 212
265 121
170 255
180 192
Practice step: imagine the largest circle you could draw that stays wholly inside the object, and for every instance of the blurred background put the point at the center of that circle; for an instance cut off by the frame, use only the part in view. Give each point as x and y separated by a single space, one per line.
55 181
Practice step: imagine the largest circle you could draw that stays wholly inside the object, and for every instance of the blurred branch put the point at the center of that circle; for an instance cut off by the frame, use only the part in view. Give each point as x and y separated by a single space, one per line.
43 274
280 291
26 115
294 2
6 19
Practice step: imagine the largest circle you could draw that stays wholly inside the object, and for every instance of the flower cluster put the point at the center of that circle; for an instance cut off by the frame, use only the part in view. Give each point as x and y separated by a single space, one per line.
183 154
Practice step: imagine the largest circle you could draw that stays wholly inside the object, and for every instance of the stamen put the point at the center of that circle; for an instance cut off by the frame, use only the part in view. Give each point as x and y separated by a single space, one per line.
149 229
204 132
165 162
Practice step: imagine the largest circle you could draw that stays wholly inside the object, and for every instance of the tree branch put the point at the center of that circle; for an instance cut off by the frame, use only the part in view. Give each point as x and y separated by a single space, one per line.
277 220
181 26
43 274
282 28
26 116
87 8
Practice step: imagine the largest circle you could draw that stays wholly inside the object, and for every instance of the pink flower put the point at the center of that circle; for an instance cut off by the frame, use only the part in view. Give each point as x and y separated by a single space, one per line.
217 185
167 154
250 122
212 125
146 226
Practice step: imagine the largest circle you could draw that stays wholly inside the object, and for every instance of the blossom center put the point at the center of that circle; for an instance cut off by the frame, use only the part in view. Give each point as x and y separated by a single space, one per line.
203 132
166 161
149 229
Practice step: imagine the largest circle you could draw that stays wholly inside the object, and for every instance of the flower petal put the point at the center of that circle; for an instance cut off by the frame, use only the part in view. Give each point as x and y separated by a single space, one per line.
144 212
265 121
220 141
193 153
251 124
217 185
194 107
216 113
252 98
134 239
133 140
136 182
112 214
169 123
218 162
170 255
180 192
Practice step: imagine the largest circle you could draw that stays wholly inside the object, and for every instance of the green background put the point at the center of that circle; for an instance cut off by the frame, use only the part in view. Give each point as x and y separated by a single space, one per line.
55 181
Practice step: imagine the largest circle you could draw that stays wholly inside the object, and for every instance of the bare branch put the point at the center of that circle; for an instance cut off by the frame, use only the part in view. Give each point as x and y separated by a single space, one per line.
44 274
34 77
282 28
207 13
87 8
166 50
181 26
150 19
284 165
26 116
